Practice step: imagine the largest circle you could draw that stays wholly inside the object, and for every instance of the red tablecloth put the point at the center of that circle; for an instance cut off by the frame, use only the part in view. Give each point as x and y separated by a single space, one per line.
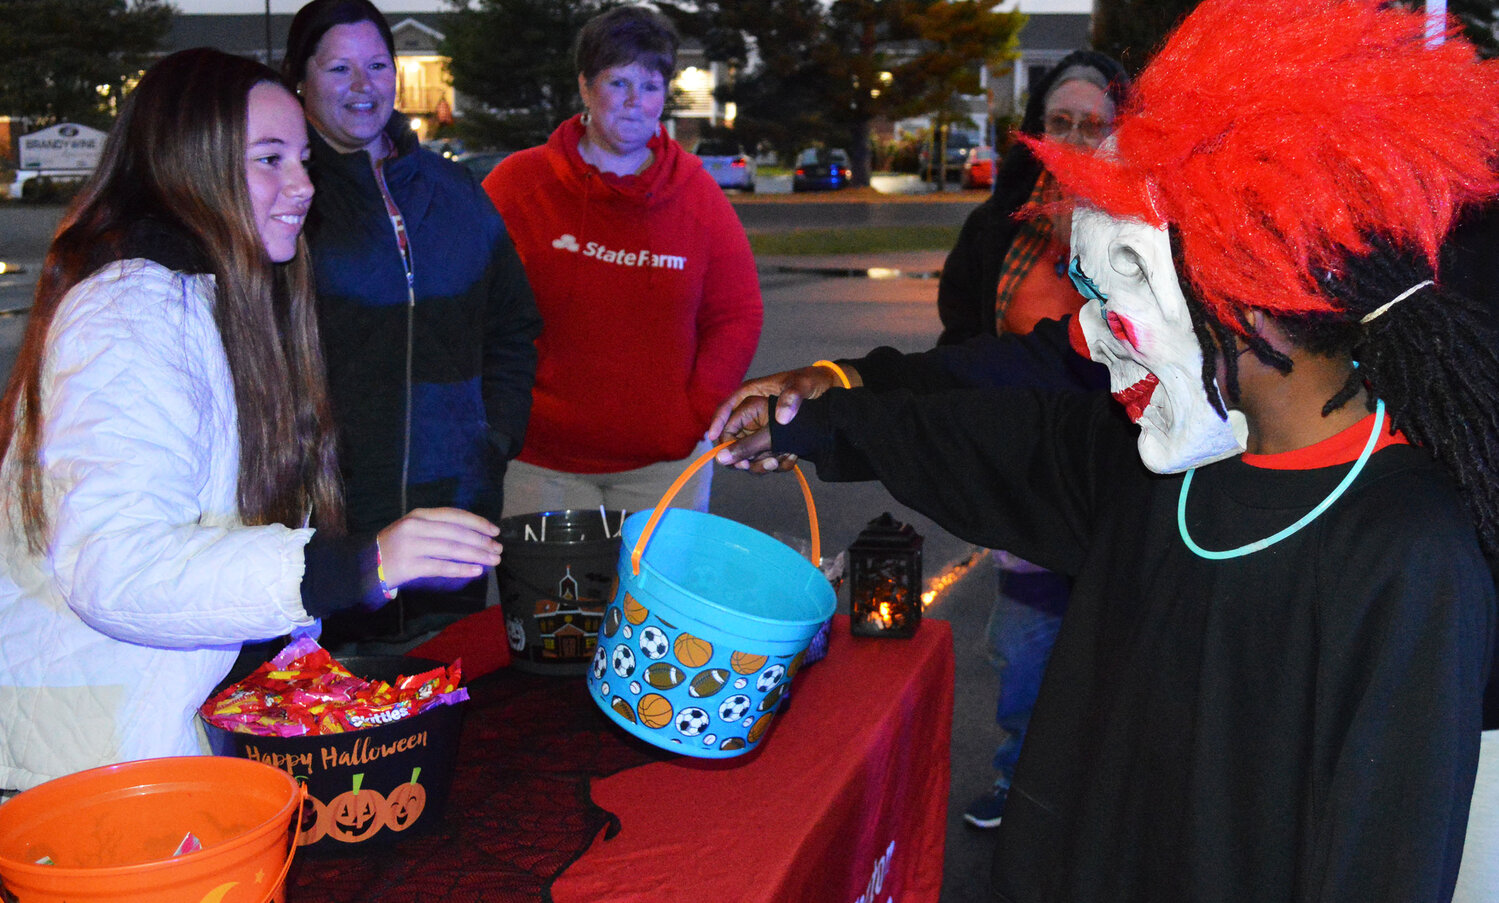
847 792
845 800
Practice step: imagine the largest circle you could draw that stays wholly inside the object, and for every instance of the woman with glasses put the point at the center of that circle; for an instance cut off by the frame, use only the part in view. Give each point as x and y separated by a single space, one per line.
1005 274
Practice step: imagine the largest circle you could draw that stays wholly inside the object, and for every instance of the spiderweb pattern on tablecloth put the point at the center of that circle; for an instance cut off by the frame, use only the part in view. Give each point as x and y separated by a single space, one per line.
519 812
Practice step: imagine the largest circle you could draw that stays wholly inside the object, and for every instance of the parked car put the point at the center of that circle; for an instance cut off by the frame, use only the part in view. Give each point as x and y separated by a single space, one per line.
979 166
445 147
480 162
821 169
47 186
727 163
958 146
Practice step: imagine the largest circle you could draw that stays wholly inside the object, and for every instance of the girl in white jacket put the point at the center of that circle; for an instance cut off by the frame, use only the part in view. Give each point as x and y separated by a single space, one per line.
169 486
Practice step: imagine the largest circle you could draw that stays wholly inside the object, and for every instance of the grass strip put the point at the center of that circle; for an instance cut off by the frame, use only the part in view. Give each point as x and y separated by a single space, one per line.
854 240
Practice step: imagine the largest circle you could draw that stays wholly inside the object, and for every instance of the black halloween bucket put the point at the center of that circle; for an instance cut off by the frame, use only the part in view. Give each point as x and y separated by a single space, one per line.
556 577
369 788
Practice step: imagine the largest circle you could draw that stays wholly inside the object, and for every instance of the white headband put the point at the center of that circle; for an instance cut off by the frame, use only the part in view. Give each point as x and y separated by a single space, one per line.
1371 315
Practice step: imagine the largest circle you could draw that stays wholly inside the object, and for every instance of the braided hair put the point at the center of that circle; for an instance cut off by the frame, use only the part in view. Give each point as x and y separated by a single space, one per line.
1433 358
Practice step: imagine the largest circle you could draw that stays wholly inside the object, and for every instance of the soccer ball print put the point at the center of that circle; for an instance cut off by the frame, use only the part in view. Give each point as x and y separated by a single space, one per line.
653 643
622 659
769 678
734 708
692 721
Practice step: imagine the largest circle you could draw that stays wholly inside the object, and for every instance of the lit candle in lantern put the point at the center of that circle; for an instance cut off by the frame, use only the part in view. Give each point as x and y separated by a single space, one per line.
885 580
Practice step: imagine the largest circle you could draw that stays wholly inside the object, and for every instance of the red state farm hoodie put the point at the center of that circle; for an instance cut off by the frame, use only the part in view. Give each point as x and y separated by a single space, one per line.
648 295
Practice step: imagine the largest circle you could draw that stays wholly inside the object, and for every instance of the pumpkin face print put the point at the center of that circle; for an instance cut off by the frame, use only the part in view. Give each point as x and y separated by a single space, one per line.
356 814
405 804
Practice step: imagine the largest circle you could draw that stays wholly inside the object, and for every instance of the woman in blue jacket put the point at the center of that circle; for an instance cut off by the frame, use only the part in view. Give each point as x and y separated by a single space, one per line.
426 315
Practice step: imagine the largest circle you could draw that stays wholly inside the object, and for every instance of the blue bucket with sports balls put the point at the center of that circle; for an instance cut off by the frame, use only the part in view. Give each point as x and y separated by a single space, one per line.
707 628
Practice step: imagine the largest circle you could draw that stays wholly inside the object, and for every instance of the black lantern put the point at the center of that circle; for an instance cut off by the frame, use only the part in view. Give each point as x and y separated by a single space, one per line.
884 579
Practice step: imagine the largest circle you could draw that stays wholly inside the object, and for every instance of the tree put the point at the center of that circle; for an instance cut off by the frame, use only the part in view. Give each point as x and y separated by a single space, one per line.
514 57
815 72
854 55
73 60
958 35
781 98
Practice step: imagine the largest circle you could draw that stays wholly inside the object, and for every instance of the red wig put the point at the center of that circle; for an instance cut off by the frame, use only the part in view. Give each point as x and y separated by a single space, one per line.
1279 136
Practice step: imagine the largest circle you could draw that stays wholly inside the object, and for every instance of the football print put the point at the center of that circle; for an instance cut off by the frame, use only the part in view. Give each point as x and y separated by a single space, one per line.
664 675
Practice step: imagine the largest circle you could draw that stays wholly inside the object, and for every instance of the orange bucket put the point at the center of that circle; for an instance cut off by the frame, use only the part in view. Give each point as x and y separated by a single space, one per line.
111 832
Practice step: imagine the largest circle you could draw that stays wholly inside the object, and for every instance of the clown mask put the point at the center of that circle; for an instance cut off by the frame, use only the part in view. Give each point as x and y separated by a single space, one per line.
1136 324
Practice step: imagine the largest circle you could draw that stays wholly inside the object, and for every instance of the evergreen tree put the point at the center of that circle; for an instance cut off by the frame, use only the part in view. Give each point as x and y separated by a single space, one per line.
957 36
812 72
773 46
73 60
514 57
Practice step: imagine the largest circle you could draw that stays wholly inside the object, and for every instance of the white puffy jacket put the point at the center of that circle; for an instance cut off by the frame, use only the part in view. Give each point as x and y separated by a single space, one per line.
110 641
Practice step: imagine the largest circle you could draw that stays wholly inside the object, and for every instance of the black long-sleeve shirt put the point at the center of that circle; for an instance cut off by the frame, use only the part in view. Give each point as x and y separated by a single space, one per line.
1298 724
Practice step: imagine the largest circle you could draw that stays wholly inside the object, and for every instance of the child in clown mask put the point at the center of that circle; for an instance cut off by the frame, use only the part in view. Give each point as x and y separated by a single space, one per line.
1269 684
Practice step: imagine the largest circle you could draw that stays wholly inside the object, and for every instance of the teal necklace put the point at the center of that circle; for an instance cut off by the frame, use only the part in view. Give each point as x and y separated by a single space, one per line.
1358 466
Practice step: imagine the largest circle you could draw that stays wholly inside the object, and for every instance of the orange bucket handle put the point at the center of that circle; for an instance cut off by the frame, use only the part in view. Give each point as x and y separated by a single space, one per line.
296 831
694 467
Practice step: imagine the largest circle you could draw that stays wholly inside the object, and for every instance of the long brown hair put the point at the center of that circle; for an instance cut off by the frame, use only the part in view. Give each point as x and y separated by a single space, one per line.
177 155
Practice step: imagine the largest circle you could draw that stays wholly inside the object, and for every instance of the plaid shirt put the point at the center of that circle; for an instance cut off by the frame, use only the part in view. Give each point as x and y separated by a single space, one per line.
1029 244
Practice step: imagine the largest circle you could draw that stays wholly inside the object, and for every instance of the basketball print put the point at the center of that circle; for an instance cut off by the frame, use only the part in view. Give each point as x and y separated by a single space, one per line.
691 651
745 663
654 710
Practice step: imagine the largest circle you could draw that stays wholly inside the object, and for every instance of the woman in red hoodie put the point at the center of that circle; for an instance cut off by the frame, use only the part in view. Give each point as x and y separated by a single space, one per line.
644 279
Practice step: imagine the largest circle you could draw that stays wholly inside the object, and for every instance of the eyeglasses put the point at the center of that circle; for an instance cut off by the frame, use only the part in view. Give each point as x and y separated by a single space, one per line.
1062 125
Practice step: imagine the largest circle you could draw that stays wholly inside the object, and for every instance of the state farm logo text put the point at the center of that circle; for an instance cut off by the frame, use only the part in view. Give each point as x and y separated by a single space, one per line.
640 258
